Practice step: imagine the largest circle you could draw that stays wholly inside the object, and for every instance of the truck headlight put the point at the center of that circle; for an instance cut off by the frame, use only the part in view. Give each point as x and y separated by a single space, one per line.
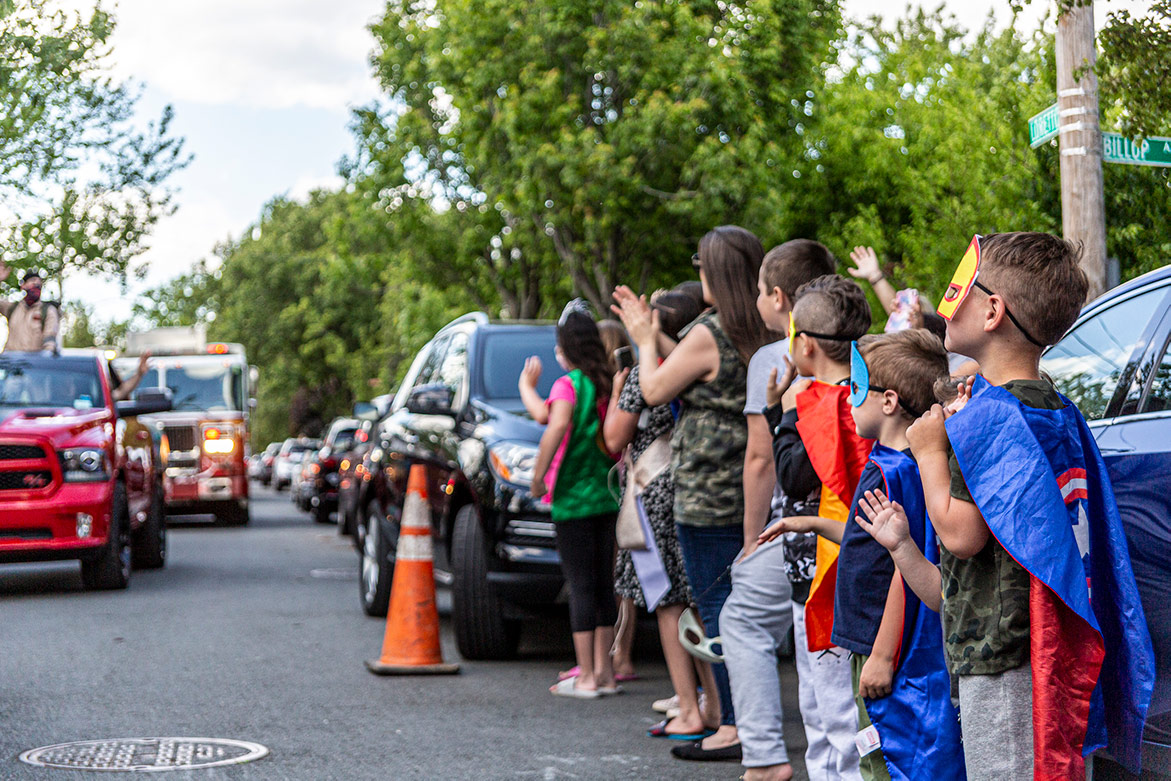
219 440
513 462
84 465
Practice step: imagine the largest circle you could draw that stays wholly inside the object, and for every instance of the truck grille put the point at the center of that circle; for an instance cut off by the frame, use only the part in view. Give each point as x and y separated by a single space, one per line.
25 481
20 452
180 437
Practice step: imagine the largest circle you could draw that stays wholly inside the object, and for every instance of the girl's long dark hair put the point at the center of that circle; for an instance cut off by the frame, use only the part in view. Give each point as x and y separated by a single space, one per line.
581 343
730 257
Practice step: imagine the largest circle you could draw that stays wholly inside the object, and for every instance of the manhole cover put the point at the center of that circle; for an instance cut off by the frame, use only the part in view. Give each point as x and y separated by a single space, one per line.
145 755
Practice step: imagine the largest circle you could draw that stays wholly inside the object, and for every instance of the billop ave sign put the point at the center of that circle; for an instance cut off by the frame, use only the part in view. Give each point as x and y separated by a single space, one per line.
1116 148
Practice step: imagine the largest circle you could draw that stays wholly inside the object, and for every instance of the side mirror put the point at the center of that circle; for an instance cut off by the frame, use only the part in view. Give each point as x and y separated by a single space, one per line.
146 401
432 399
364 410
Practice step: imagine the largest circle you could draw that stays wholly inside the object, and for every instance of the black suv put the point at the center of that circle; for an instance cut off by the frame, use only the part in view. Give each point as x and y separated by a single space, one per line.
458 412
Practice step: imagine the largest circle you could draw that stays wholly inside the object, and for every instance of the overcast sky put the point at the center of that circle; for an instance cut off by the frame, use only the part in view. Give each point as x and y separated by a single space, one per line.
262 91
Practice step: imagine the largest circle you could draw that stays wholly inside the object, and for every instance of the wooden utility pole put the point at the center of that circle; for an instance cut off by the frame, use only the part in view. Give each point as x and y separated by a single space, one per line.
1083 213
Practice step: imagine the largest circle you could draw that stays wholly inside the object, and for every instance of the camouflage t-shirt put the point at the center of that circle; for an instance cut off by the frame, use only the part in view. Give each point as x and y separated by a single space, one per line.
707 446
986 598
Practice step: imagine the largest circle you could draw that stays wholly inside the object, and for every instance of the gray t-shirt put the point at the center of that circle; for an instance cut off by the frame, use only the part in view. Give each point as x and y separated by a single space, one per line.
764 360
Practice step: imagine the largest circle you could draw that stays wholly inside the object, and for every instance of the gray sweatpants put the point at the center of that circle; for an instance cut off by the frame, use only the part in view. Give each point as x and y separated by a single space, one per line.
754 622
996 718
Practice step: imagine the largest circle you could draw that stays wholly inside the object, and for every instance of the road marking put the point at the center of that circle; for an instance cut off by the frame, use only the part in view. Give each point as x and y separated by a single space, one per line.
334 574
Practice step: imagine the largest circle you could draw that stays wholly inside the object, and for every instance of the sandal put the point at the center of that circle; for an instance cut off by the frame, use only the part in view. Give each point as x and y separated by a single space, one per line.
567 688
572 672
660 731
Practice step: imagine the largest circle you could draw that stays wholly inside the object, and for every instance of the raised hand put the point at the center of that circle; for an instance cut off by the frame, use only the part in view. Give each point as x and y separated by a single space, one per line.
963 396
642 322
776 388
927 434
530 375
866 261
885 521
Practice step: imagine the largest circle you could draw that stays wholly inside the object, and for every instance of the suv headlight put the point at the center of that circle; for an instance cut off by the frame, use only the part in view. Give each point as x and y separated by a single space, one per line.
84 465
513 462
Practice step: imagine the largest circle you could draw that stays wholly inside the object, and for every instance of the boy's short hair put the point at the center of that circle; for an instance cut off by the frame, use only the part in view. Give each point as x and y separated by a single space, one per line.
792 264
1040 278
909 362
833 306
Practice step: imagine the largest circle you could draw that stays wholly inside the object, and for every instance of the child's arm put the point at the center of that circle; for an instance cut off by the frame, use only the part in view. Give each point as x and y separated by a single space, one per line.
879 668
560 415
867 262
886 522
826 527
527 384
620 427
959 524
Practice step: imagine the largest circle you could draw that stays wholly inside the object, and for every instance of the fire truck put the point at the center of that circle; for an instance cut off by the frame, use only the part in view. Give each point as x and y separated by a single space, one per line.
206 435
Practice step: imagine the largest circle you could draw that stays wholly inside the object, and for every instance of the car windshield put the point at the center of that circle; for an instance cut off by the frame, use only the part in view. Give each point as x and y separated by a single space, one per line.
49 382
504 357
206 386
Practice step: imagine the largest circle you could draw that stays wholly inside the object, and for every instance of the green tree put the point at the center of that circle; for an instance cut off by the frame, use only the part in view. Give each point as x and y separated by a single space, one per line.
1135 68
571 145
83 184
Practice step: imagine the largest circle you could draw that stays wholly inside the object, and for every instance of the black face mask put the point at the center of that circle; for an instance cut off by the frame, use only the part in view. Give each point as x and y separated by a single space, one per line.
32 295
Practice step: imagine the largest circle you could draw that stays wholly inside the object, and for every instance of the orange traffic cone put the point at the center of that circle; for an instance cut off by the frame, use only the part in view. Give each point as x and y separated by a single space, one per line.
411 645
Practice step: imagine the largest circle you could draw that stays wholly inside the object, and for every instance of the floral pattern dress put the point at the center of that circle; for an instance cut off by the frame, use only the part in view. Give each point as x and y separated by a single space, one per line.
658 500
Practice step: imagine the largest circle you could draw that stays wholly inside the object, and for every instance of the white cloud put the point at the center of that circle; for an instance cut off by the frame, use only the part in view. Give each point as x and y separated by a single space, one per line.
251 53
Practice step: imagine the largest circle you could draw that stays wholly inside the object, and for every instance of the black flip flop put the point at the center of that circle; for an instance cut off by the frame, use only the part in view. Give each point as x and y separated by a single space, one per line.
697 753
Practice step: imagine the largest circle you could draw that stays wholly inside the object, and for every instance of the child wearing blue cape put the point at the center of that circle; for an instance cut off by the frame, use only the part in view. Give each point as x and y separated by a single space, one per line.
908 727
1029 531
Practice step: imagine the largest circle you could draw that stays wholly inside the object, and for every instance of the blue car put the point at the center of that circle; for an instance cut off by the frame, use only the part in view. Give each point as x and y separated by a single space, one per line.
1115 365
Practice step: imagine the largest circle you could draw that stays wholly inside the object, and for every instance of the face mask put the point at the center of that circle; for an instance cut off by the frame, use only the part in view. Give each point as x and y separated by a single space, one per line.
963 281
859 376
32 296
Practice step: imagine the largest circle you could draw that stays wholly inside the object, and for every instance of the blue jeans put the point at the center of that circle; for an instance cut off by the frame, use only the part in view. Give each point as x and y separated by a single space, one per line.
707 553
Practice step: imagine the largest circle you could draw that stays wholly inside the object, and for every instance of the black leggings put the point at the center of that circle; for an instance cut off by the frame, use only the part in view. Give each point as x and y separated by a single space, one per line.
586 548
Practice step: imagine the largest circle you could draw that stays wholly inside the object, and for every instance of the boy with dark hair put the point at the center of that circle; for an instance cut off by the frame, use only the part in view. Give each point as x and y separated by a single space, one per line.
907 725
1019 497
828 310
757 615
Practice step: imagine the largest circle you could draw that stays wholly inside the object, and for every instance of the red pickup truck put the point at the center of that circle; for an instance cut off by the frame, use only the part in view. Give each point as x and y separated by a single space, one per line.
79 474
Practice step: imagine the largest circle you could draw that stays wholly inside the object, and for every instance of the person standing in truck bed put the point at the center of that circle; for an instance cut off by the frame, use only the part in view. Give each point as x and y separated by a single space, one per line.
32 323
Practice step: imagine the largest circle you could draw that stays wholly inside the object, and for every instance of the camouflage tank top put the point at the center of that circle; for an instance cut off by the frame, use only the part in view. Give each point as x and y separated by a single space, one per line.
707 446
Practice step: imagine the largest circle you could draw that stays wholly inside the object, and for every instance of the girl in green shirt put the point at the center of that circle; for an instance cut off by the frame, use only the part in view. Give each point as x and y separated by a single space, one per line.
584 511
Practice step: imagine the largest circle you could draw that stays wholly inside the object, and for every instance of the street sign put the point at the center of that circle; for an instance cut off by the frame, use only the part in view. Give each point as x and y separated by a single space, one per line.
1119 149
1043 126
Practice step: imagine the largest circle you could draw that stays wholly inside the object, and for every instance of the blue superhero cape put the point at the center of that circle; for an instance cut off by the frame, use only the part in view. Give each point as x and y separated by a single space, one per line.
1039 481
917 724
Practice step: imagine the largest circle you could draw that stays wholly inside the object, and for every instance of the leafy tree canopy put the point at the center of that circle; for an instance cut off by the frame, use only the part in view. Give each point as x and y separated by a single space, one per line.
82 182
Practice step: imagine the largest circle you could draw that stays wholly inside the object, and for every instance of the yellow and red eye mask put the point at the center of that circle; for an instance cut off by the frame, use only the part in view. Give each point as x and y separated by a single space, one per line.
963 281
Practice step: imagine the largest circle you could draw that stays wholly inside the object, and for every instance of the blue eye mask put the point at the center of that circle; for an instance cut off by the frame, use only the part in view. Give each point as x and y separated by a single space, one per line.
859 376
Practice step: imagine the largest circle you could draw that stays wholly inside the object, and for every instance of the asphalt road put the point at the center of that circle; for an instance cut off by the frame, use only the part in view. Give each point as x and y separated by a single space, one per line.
256 634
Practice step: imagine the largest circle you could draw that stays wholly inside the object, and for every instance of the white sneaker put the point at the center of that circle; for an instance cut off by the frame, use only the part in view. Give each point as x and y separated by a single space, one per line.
665 705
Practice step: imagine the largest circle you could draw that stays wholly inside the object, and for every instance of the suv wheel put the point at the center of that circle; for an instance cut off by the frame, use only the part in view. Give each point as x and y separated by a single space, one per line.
320 512
150 542
481 631
110 569
377 562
